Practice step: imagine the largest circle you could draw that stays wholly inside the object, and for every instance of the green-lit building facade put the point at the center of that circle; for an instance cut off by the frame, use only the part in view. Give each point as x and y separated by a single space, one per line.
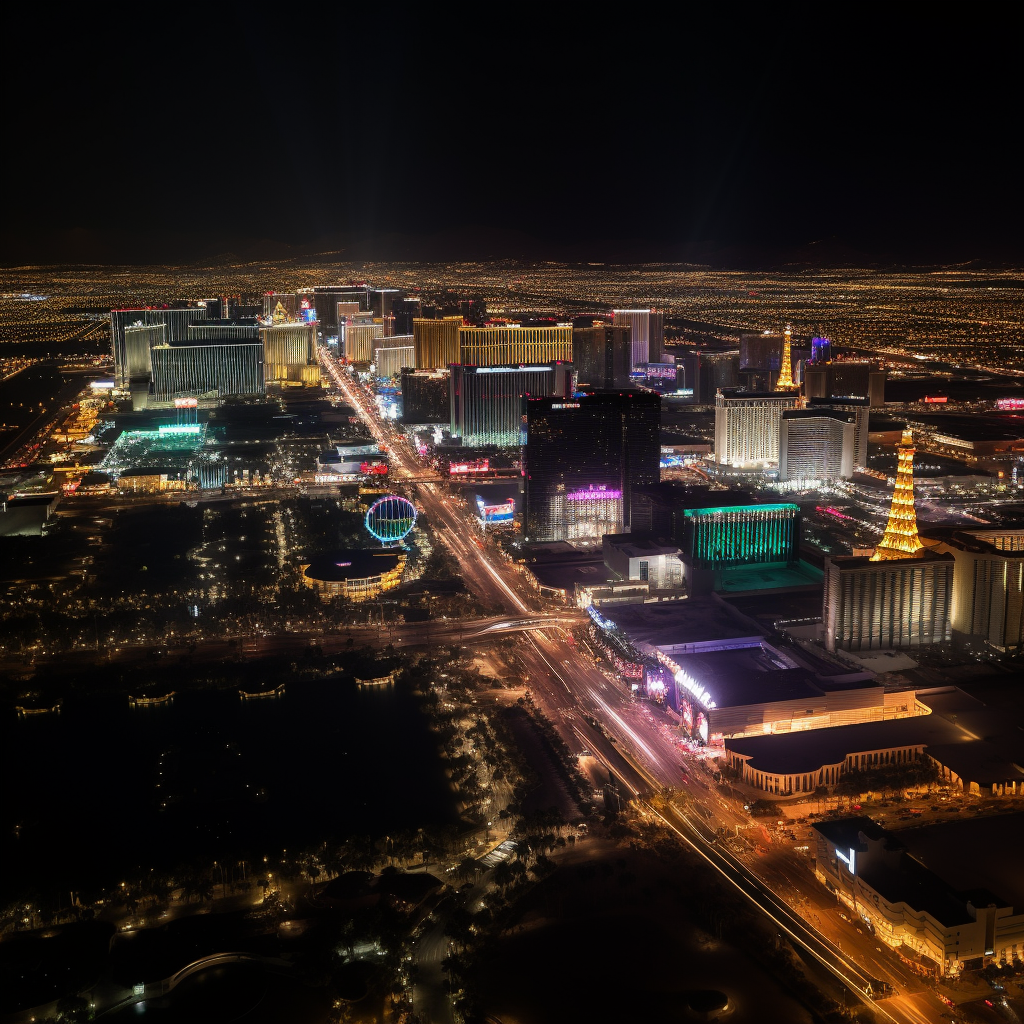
739 548
720 538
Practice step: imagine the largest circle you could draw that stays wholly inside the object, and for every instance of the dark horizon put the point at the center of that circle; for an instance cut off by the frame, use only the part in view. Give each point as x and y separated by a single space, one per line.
752 142
473 245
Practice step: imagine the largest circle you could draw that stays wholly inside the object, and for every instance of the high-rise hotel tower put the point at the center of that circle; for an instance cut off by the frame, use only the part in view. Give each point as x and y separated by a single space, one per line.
502 346
436 342
901 595
647 333
747 426
582 460
486 401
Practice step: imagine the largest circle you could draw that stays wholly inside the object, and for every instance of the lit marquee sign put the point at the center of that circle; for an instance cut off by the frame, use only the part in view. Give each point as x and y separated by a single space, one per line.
1010 404
850 861
685 680
186 403
565 405
183 428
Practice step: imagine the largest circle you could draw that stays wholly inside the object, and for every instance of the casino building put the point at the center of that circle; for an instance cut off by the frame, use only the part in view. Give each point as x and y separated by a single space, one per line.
724 684
747 426
988 583
583 458
289 353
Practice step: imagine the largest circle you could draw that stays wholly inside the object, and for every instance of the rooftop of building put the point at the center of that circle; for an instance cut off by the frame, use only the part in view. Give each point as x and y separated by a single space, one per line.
818 413
354 564
925 556
742 678
639 545
976 540
219 342
978 743
845 401
42 500
898 878
775 576
675 494
666 625
563 570
237 321
972 428
770 610
738 393
973 854
807 751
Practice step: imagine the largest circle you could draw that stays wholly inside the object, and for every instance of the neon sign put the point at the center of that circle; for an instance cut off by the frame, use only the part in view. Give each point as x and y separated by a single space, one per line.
851 861
593 494
1010 404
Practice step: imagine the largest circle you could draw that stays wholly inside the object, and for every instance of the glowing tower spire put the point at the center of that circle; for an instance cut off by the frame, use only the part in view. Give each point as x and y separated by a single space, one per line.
900 539
785 381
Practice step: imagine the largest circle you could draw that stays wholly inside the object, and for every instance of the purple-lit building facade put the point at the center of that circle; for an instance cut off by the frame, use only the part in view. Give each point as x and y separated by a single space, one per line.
581 460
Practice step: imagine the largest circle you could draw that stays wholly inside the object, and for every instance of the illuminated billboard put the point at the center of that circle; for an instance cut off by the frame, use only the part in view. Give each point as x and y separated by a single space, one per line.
475 466
497 513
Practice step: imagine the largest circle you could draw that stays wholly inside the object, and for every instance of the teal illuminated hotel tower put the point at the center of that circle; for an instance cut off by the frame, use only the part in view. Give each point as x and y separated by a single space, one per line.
714 540
722 538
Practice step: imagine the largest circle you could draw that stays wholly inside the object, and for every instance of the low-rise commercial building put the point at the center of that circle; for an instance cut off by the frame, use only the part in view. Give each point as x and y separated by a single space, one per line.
951 892
975 748
360 575
637 557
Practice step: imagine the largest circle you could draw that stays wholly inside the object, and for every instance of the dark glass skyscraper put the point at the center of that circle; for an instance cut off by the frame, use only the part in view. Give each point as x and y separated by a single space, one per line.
582 459
326 299
601 355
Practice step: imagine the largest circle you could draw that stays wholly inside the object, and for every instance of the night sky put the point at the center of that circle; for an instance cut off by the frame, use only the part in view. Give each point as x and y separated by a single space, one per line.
752 139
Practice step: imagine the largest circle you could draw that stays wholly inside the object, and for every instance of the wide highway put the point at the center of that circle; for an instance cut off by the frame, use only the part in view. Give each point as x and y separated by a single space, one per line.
635 742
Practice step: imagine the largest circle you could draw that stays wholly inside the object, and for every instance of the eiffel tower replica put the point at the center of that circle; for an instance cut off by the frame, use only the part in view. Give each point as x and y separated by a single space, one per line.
785 381
900 539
